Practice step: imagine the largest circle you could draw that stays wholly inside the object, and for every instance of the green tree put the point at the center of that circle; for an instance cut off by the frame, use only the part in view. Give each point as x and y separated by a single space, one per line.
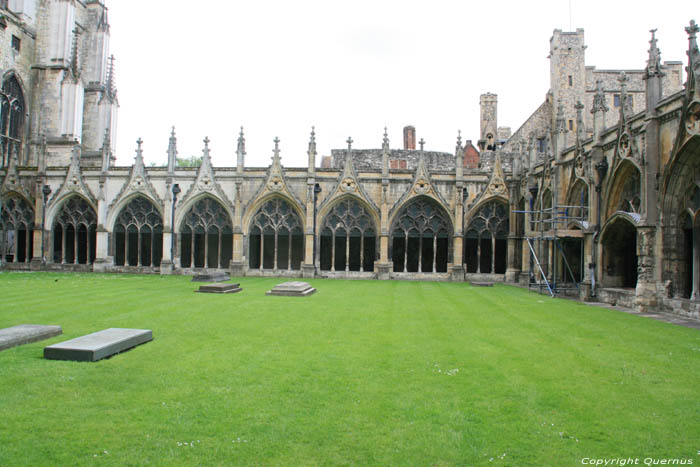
191 161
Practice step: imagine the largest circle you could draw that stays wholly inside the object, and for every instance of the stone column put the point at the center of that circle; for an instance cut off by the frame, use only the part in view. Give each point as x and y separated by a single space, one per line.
102 259
512 272
238 265
586 285
166 261
646 299
384 266
308 269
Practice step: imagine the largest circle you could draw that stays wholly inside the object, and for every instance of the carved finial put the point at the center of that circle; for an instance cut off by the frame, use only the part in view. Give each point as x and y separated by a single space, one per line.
172 132
692 29
75 59
109 85
422 143
139 142
654 61
241 143
385 139
623 80
459 138
599 104
276 151
205 151
349 141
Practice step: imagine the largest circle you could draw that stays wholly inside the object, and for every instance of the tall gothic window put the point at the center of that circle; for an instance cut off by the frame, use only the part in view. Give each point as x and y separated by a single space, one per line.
421 238
486 239
348 238
74 233
16 225
138 234
206 236
276 239
11 120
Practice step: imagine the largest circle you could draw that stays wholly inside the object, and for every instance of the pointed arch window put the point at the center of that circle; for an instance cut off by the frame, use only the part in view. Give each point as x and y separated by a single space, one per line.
486 239
74 233
16 226
138 234
420 238
206 236
12 111
348 238
276 238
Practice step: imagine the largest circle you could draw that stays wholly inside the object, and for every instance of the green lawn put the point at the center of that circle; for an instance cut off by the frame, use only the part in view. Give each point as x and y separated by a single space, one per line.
362 373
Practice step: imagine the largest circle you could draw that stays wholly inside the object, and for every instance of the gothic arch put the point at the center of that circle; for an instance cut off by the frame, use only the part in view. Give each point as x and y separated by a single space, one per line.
578 200
16 228
253 208
619 251
348 235
117 209
13 112
328 207
624 189
54 206
73 231
276 236
185 206
205 233
421 236
486 237
138 233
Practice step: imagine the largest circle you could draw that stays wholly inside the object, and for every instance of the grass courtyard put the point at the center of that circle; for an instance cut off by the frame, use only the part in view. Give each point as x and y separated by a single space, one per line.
362 372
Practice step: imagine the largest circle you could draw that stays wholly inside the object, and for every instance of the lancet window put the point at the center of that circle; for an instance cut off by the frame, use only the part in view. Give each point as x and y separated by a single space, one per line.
276 239
421 238
348 238
486 239
138 234
16 226
206 236
11 120
74 233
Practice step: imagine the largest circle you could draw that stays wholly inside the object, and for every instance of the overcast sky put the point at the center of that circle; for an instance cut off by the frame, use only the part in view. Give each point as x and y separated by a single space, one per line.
350 68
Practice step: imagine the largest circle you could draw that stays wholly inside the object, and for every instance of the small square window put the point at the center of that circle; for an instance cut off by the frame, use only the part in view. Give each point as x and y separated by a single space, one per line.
616 100
571 125
16 43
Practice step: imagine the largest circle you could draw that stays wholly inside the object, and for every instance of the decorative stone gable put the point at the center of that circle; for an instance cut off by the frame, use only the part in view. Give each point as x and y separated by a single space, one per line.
205 181
138 181
12 181
348 183
692 111
74 183
275 183
422 184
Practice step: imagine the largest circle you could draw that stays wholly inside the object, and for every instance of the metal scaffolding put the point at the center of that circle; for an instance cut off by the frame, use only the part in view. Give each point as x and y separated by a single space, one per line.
548 226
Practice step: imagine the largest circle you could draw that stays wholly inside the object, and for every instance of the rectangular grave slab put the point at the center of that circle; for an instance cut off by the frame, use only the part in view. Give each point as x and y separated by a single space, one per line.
292 289
26 333
98 345
219 288
481 284
213 277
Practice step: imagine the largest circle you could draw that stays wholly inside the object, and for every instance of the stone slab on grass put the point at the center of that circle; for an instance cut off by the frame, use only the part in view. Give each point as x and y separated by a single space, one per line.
292 289
26 333
213 277
98 345
481 284
219 288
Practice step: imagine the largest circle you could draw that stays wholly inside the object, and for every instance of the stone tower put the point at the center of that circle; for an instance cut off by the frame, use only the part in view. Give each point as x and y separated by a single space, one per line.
567 60
488 104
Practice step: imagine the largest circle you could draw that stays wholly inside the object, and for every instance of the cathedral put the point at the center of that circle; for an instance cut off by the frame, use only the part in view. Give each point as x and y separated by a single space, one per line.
596 195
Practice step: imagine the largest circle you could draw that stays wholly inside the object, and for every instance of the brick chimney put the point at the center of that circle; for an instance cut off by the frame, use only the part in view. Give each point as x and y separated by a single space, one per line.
409 137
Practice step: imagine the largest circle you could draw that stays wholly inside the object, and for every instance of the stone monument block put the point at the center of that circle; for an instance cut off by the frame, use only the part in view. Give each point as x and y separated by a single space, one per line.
219 288
292 289
98 345
26 333
213 277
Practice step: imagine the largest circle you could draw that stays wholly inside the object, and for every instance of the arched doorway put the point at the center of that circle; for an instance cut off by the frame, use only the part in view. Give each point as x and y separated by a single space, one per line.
486 239
276 237
421 237
16 226
348 238
206 236
619 242
138 234
75 232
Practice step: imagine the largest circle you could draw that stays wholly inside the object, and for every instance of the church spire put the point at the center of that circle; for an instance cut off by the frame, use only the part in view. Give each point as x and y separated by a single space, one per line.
385 154
312 151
